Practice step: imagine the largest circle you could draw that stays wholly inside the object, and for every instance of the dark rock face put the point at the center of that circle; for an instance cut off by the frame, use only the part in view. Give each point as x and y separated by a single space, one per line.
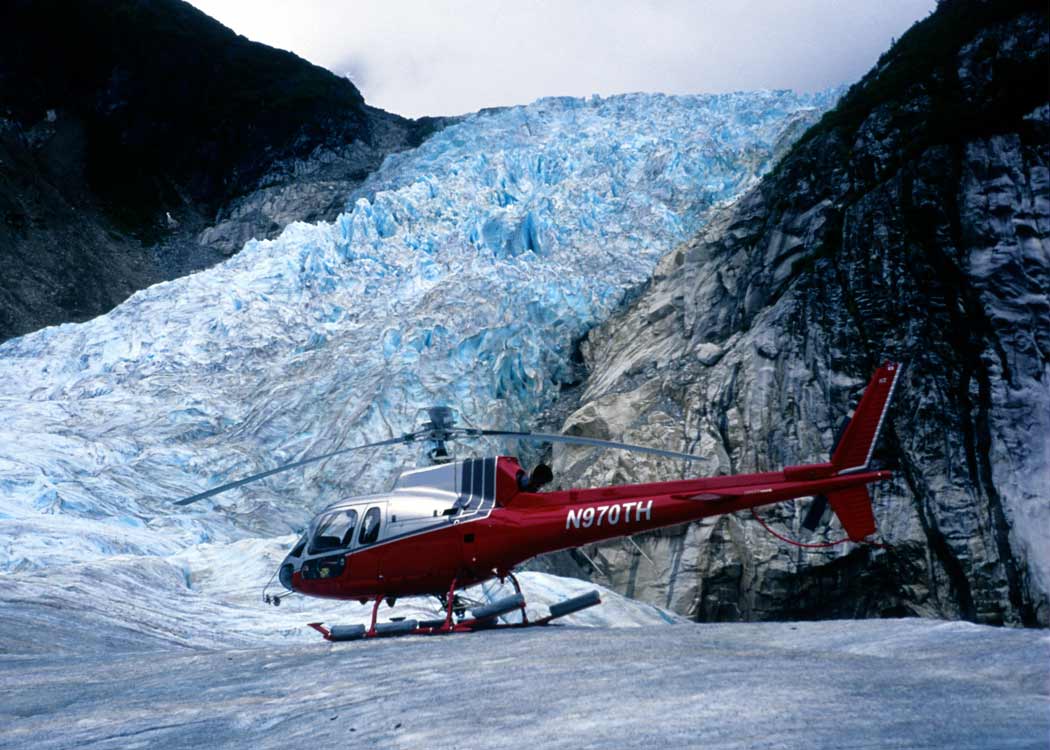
141 140
911 223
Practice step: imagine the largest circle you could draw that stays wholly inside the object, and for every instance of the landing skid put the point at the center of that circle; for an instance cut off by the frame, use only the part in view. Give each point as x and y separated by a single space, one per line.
483 618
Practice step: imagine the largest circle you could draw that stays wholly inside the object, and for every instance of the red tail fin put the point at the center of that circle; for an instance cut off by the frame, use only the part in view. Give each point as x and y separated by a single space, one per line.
853 507
854 450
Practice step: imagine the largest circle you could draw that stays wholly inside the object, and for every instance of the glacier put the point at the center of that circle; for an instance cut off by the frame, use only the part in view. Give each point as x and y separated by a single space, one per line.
461 273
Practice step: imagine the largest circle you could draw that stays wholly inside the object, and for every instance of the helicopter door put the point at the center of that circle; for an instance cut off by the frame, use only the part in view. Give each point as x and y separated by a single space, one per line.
430 554
364 563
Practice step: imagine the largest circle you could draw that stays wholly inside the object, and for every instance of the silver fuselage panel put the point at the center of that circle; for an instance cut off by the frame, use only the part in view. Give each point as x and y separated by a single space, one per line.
421 500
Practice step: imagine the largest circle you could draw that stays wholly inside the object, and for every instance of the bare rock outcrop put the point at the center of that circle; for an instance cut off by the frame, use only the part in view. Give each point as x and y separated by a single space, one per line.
912 223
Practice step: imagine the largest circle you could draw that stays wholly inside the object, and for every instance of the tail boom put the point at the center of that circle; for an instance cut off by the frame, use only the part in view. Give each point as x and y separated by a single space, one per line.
586 521
570 518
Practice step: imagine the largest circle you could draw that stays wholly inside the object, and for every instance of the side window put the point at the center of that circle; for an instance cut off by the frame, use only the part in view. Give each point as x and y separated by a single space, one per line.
370 527
334 531
348 528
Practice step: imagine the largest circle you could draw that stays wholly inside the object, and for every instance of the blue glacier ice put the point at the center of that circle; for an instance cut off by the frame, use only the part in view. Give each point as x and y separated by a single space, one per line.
461 273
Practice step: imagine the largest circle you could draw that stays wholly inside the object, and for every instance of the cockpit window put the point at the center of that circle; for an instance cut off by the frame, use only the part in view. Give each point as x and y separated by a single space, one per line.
370 527
297 550
334 531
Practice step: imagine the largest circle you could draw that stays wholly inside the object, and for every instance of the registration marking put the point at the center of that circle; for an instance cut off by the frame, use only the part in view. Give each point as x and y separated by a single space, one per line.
609 515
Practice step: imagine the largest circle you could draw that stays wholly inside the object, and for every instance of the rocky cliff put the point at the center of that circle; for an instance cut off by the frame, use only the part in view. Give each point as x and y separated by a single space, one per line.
141 140
911 223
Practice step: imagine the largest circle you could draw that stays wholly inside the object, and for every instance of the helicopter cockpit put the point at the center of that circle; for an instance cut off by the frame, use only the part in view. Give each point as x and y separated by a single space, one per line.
333 531
421 500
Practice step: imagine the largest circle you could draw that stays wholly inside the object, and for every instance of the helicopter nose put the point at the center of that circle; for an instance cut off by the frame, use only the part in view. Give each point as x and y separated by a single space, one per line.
285 576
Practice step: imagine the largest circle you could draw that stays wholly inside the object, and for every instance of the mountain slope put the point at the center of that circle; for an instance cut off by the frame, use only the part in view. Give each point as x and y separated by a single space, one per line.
128 128
911 223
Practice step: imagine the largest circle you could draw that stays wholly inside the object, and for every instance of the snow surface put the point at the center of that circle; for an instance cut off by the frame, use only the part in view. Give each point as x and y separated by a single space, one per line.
462 273
844 684
211 597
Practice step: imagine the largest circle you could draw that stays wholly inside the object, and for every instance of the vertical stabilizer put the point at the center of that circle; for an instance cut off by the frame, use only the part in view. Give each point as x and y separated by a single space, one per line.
854 450
853 507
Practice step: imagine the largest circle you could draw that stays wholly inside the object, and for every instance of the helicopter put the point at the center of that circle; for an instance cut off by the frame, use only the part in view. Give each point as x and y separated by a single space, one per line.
455 524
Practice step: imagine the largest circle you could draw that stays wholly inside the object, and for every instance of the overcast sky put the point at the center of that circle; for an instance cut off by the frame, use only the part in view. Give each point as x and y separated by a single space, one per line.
451 57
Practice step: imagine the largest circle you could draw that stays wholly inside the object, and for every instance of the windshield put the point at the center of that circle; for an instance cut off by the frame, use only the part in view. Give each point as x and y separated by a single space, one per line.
334 531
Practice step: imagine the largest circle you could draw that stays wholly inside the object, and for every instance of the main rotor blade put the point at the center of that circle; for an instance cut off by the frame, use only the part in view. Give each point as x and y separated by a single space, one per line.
543 437
408 438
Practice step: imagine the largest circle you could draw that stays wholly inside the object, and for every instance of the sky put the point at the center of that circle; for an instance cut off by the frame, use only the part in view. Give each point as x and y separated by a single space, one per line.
448 57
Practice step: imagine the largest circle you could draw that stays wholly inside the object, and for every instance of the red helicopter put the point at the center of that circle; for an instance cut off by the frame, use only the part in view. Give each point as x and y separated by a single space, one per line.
456 524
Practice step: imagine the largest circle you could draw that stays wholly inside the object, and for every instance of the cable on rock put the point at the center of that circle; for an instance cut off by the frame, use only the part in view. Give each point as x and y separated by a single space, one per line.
814 545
